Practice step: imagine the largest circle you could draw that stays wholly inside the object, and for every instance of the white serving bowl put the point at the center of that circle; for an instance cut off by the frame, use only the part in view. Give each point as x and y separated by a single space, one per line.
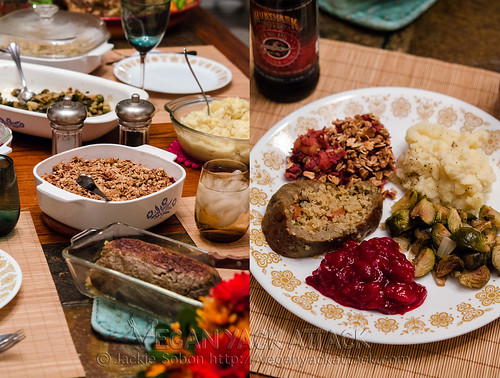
85 63
40 77
82 213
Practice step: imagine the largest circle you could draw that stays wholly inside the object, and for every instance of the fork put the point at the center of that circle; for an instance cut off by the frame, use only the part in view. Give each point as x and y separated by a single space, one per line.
11 339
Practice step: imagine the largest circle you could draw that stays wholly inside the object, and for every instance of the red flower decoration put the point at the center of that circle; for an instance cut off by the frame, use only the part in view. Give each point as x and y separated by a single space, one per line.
224 356
236 291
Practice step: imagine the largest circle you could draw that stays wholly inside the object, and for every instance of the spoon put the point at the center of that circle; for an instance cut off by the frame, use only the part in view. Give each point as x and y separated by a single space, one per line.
88 183
25 95
197 82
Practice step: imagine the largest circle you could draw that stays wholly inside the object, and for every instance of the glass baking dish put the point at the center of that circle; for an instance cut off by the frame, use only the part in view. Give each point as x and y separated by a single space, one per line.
85 250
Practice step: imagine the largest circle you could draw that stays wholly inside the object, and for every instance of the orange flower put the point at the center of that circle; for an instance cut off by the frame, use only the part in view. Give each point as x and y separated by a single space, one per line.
227 306
179 371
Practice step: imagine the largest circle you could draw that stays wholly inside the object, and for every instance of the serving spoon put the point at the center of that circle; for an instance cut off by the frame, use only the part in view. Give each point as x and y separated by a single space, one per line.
25 95
88 183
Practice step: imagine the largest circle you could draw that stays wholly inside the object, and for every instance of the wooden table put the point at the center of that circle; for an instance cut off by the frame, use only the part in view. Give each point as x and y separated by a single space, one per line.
198 28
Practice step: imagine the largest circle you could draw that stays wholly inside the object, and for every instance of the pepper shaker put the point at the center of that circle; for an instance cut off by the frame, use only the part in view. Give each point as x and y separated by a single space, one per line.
66 120
134 118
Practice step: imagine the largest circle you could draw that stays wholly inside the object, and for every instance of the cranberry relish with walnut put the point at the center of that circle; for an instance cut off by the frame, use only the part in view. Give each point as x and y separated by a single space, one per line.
352 150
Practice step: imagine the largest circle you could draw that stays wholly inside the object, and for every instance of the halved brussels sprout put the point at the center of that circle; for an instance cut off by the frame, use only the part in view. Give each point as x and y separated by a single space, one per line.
424 262
424 212
470 238
488 213
407 202
450 263
475 279
399 222
438 232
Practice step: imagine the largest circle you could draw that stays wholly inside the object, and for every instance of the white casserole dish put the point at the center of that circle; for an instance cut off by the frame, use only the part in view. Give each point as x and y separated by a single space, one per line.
85 63
82 213
5 140
39 77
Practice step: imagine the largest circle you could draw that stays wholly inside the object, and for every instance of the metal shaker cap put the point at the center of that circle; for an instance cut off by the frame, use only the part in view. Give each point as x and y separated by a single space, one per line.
134 111
66 113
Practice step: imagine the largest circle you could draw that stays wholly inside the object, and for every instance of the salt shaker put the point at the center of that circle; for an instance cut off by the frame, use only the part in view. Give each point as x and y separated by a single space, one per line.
66 120
134 118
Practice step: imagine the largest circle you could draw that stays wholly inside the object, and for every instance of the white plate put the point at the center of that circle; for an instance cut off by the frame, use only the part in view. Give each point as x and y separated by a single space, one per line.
10 278
169 73
448 311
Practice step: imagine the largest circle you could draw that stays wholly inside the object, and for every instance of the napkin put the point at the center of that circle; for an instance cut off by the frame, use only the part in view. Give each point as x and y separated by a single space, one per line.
119 322
182 156
384 15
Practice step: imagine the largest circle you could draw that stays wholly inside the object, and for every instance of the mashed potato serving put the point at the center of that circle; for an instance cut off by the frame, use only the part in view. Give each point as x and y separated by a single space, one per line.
228 118
446 165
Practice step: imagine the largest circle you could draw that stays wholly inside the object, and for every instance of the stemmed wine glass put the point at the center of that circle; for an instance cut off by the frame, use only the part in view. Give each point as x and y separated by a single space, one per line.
144 23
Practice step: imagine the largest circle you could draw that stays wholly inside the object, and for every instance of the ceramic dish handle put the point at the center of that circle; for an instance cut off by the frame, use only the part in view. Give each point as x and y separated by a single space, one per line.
5 150
101 49
48 190
157 151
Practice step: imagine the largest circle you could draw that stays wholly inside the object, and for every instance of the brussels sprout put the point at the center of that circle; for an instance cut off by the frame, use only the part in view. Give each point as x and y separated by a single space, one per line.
489 213
440 281
470 217
481 224
469 238
441 213
453 221
495 257
438 231
424 212
475 279
422 233
424 262
450 263
403 243
463 215
475 259
490 233
407 202
399 222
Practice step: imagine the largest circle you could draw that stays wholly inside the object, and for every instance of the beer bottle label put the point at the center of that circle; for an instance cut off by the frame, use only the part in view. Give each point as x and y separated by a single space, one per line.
285 41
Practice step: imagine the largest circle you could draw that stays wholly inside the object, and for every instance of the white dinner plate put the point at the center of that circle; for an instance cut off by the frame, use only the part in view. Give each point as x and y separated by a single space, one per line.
169 73
10 278
448 311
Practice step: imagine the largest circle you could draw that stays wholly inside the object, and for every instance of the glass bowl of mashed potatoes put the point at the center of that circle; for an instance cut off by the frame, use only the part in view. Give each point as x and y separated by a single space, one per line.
224 134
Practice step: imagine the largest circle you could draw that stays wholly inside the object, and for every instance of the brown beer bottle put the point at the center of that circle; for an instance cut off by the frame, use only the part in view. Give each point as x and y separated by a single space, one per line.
285 44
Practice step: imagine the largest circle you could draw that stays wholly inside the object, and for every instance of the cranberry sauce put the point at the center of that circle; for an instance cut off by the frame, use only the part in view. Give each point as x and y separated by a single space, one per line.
373 275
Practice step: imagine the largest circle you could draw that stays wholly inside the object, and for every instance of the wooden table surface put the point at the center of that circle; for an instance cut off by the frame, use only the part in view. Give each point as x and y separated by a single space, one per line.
198 28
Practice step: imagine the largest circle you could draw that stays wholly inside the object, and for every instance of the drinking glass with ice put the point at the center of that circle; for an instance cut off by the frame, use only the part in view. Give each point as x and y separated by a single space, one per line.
222 209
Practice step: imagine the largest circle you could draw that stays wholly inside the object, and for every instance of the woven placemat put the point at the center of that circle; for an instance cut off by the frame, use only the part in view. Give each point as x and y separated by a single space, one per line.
287 346
345 66
185 214
238 87
48 350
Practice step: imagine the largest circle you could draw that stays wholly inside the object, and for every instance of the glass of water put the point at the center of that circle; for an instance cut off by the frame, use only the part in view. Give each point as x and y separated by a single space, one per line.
9 196
144 23
222 209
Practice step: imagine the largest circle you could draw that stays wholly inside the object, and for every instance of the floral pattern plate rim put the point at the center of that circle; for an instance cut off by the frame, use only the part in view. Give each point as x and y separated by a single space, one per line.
10 278
448 311
169 73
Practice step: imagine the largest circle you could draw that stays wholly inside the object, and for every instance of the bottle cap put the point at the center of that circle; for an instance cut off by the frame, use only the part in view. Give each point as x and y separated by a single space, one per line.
66 113
134 111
